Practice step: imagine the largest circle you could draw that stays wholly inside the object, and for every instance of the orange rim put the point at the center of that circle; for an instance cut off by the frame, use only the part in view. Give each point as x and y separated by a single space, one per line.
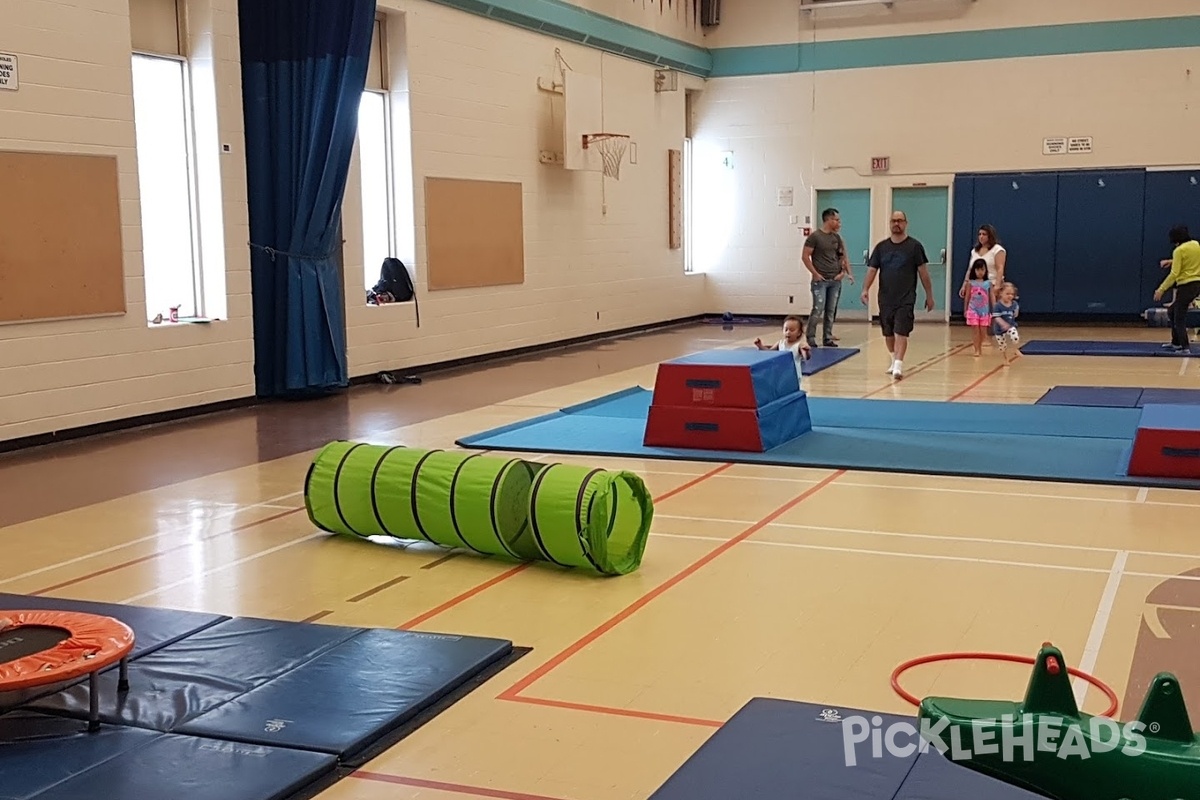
95 642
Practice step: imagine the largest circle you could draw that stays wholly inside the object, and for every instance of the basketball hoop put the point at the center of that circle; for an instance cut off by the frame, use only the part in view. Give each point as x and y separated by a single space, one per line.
612 147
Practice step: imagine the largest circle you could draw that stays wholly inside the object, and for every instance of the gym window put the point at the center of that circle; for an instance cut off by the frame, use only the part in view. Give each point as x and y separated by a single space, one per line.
375 150
166 162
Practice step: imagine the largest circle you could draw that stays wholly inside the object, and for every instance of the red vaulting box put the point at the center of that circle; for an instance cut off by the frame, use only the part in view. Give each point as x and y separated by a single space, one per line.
1167 442
742 400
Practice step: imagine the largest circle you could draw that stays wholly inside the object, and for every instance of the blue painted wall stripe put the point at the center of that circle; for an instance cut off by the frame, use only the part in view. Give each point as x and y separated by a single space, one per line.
941 48
562 20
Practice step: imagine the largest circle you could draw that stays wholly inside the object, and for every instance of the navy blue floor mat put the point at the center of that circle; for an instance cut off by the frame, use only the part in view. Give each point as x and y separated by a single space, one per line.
783 749
152 627
825 357
38 752
53 762
1077 347
191 677
242 709
354 694
1118 396
1028 441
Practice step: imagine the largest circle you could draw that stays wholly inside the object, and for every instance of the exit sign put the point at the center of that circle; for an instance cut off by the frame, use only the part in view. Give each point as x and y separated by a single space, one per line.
881 163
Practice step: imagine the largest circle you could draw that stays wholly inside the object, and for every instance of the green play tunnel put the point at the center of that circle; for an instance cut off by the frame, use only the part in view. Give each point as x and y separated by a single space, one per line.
573 516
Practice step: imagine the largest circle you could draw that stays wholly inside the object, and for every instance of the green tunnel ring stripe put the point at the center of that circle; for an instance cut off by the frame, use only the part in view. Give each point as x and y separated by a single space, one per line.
416 482
374 497
492 507
581 525
537 534
454 504
337 488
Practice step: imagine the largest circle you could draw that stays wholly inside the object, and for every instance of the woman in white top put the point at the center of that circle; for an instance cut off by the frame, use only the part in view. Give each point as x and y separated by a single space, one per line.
994 255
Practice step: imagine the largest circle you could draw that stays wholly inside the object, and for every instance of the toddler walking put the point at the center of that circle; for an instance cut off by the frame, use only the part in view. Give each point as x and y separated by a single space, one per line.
1004 321
979 303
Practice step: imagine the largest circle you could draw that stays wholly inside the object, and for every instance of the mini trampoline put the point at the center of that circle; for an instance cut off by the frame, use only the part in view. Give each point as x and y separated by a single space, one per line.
41 648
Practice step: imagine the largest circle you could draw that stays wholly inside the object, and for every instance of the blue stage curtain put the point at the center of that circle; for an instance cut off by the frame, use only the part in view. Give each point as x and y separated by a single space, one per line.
304 68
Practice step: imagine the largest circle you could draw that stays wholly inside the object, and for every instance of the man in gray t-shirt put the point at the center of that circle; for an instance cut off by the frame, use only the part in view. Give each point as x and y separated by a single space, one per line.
826 260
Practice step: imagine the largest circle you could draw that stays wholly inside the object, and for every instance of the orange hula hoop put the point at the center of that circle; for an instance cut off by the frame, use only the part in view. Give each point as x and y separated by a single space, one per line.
1110 712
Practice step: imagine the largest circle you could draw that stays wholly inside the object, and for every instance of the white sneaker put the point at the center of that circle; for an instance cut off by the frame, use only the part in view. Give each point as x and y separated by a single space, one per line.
891 368
897 370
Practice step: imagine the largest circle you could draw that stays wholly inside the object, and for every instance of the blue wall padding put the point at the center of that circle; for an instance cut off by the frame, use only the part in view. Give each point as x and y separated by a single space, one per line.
345 699
195 675
152 627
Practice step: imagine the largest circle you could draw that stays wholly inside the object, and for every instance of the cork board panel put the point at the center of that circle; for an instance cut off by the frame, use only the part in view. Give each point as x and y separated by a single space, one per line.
61 254
675 198
474 233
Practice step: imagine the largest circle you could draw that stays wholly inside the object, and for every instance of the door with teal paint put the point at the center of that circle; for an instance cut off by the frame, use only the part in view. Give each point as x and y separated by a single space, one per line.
854 208
928 212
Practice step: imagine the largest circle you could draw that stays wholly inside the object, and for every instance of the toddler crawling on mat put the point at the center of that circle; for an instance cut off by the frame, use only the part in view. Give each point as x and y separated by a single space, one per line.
793 339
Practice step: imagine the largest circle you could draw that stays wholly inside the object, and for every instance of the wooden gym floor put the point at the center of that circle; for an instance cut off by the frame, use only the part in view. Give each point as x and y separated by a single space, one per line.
758 581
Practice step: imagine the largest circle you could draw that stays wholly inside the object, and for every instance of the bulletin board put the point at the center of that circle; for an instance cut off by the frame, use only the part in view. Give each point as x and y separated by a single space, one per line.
474 233
61 252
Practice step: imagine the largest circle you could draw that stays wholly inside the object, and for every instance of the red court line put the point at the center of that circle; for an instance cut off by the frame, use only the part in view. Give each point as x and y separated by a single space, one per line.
977 382
462 598
514 691
455 788
143 559
618 712
467 595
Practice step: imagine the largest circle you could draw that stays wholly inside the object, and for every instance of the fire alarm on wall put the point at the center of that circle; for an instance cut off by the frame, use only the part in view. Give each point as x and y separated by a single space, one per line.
807 231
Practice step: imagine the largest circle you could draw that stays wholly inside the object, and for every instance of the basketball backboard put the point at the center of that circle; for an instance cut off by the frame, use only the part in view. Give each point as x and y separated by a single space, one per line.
583 96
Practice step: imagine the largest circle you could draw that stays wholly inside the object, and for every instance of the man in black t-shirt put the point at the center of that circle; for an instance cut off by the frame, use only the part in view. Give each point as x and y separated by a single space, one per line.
898 261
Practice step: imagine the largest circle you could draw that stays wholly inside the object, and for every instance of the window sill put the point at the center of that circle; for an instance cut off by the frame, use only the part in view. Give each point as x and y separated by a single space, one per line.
167 323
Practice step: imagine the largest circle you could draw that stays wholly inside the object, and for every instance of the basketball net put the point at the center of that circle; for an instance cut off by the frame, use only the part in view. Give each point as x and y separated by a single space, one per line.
612 147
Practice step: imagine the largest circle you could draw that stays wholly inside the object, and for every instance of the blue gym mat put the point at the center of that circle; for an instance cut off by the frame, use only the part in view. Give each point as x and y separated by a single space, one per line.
783 749
236 709
1118 396
1032 442
825 357
1072 347
152 627
48 758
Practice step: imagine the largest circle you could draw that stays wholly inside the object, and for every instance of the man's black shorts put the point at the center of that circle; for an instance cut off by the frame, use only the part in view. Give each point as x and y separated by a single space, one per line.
896 320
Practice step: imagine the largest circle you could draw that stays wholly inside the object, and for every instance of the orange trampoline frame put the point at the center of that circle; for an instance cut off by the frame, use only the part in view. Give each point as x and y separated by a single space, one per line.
94 643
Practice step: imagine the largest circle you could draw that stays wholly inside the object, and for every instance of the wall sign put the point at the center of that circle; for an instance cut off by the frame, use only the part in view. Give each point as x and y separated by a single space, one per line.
785 195
1061 145
8 72
1079 144
881 163
1054 146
